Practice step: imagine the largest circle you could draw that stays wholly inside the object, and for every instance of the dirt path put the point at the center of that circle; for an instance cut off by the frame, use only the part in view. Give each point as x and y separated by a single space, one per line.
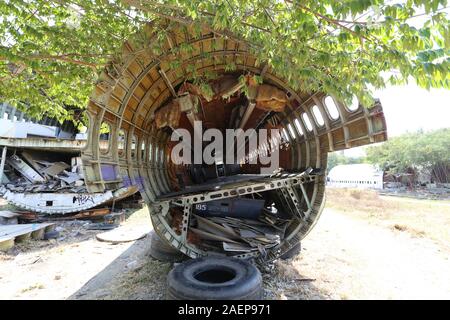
59 268
342 258
350 259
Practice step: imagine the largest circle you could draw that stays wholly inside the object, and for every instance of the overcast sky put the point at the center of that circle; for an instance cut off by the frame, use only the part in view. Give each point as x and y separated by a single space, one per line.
409 108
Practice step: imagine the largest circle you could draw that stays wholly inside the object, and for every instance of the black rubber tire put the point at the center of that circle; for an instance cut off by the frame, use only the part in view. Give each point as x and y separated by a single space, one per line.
292 252
214 278
162 251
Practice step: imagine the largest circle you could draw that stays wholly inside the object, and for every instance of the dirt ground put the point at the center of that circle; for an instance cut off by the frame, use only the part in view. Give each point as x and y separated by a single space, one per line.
381 253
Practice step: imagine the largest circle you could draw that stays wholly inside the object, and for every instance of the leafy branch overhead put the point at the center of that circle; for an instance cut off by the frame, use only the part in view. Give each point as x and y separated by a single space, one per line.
51 51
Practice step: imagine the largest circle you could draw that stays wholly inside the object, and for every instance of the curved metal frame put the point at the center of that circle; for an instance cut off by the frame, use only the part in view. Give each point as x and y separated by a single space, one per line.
129 91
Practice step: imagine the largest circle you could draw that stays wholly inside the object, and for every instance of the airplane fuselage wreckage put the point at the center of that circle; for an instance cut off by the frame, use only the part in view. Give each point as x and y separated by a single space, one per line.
145 102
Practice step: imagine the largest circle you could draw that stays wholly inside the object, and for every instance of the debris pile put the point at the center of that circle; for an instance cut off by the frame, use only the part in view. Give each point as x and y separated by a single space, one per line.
432 192
20 226
32 175
12 233
234 234
8 217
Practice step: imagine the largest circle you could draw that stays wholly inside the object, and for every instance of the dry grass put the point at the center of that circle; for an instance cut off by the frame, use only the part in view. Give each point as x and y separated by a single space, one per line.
286 282
421 218
33 287
138 216
148 281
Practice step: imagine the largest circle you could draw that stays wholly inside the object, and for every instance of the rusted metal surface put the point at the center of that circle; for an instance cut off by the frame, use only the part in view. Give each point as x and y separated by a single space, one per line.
132 91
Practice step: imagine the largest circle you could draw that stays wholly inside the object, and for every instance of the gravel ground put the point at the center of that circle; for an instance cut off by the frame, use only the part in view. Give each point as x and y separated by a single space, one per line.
350 259
342 258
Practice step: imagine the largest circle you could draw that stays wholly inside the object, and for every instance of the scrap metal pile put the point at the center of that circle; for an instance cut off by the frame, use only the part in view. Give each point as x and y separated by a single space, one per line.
239 225
239 235
27 174
256 224
46 183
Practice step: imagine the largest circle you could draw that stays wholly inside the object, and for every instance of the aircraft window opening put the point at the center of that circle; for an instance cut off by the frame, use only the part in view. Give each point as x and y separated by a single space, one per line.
285 134
291 130
104 137
354 105
133 147
317 115
156 154
149 152
143 150
331 108
298 126
121 143
307 122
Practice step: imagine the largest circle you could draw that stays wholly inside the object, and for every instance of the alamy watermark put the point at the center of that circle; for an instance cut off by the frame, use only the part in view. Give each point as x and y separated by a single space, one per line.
211 147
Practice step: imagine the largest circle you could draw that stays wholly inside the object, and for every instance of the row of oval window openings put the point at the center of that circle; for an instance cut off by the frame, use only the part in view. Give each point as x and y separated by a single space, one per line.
353 182
331 109
329 103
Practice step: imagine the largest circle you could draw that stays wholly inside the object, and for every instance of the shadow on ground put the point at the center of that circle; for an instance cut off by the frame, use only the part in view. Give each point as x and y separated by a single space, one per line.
135 275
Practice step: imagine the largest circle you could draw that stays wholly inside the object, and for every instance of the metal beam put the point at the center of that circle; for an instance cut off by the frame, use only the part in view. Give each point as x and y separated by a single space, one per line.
251 106
2 163
168 83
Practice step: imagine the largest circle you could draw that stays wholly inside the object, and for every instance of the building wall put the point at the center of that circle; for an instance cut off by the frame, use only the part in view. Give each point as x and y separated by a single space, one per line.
355 176
364 183
16 124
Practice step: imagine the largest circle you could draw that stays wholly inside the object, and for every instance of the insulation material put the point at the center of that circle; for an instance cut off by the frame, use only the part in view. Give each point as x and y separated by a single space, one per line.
226 86
223 87
196 90
270 98
188 103
168 115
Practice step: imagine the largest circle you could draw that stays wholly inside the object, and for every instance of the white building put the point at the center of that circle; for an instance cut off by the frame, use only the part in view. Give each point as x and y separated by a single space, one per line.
355 176
16 124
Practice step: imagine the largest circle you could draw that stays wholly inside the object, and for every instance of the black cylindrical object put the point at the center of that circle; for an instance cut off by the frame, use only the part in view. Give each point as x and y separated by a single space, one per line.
234 207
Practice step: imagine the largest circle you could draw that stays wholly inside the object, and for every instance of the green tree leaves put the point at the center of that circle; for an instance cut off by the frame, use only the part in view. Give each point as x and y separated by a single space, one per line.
417 150
51 51
338 158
